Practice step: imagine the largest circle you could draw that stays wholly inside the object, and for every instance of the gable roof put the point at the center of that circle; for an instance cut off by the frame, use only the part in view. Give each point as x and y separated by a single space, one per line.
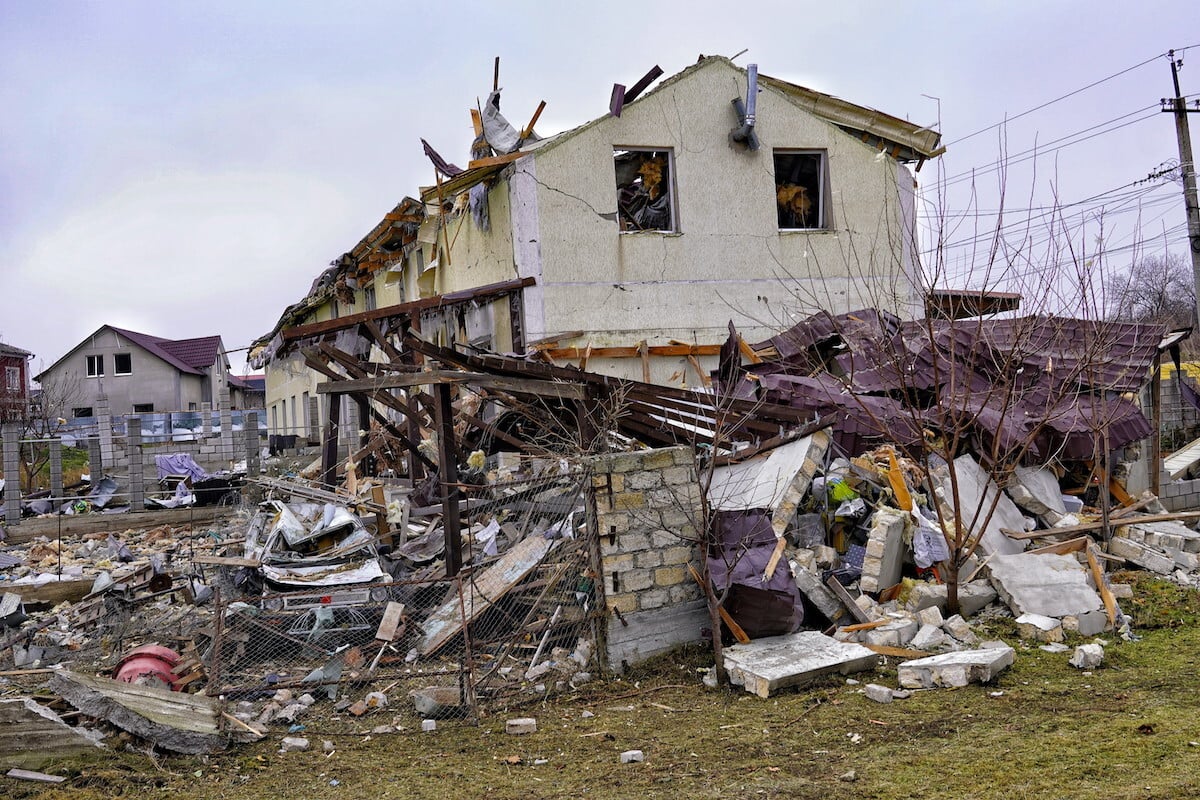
901 139
191 356
9 350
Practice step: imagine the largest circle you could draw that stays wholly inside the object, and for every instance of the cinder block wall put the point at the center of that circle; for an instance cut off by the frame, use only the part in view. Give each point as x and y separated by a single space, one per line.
1179 495
647 510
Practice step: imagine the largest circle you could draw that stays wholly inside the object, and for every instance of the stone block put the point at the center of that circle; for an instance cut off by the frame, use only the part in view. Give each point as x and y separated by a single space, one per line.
1121 591
928 637
520 726
1036 490
633 541
880 694
617 563
653 598
670 576
931 616
976 495
679 475
663 538
1046 584
683 593
810 585
659 459
1039 628
826 556
635 580
766 665
680 554
955 669
625 603
897 633
627 501
957 627
632 756
641 481
885 550
1087 656
1139 554
1089 623
648 559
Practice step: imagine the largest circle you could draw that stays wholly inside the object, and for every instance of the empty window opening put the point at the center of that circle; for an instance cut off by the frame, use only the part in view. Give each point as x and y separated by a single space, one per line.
81 412
95 366
122 364
645 190
143 408
800 189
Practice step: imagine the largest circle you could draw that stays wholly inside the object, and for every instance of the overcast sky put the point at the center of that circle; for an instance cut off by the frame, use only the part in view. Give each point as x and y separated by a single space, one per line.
187 169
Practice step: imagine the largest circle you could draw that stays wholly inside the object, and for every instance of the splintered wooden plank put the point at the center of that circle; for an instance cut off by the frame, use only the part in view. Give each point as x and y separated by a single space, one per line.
480 592
183 723
392 616
31 735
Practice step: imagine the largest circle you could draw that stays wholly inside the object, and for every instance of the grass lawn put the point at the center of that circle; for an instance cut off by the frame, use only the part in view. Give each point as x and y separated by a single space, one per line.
1131 729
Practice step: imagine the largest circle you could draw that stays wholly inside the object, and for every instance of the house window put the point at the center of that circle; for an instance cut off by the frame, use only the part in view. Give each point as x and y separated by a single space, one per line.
191 406
95 366
82 411
369 298
122 364
143 408
800 183
12 378
645 189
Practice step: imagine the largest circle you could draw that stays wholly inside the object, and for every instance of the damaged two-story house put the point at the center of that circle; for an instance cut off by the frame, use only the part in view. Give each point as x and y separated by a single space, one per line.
632 240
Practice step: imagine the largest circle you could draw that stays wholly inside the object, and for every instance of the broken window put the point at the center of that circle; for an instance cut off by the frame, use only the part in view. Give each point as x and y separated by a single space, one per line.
82 411
122 364
645 190
800 189
95 366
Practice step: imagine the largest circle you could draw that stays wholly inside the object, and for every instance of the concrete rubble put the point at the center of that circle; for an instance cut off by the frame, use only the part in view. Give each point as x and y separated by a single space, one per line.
955 669
767 665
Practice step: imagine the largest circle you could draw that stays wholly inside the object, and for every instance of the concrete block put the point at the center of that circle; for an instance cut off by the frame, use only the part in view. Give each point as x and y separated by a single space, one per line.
957 627
681 554
670 576
885 550
1046 584
625 603
930 616
1036 490
648 559
973 597
976 493
928 637
1140 555
520 726
810 585
632 756
1040 628
1121 591
628 501
880 694
653 598
293 743
640 481
955 669
826 556
428 725
766 665
1087 656
1087 624
635 580
894 634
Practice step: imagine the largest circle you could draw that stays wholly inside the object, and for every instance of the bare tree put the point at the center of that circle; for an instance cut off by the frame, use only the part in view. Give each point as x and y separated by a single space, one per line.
47 419
1156 288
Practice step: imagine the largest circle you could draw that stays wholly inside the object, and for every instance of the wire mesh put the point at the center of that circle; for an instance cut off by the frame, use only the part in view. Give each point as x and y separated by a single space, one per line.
515 625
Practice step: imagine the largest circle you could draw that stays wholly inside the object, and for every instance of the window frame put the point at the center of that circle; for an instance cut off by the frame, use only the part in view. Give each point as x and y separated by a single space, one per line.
671 190
94 366
116 364
143 408
12 378
823 193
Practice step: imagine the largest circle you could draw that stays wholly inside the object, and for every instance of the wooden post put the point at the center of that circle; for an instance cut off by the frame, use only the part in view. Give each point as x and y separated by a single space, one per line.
448 475
330 445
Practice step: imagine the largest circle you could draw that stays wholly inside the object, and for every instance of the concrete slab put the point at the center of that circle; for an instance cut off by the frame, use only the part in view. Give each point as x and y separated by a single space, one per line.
973 597
955 669
1167 535
776 480
1046 584
885 550
809 583
1036 490
976 492
777 662
1145 557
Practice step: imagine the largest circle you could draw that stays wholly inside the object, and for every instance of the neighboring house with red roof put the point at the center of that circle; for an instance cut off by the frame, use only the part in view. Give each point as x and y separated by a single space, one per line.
141 374
14 383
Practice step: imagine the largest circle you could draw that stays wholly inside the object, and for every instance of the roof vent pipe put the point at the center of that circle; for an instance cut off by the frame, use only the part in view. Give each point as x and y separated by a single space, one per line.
746 112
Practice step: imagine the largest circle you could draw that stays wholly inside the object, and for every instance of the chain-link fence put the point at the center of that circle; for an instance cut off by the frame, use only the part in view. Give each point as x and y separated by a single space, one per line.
518 623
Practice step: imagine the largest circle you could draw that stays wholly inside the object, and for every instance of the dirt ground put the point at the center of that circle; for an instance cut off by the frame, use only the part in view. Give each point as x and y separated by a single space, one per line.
1130 729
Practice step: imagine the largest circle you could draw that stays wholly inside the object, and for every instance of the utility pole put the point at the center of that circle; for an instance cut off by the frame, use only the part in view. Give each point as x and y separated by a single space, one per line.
1187 166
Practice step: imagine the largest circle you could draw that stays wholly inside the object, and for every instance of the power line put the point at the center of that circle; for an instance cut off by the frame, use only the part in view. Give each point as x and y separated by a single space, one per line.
1058 99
